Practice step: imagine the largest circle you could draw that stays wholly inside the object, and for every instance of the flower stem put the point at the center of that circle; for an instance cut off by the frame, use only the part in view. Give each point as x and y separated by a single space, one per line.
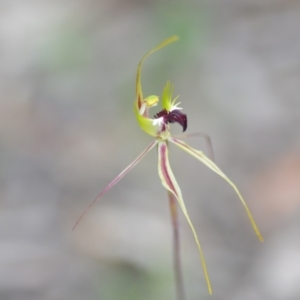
176 248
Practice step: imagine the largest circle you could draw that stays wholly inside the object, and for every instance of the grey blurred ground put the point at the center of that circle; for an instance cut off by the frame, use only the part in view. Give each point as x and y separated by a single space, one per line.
67 72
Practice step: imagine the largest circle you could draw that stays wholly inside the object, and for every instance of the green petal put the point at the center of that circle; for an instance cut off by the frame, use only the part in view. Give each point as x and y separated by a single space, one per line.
145 123
169 182
167 96
210 164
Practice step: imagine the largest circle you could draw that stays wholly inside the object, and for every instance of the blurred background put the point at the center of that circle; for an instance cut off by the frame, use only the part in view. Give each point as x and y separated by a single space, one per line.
67 84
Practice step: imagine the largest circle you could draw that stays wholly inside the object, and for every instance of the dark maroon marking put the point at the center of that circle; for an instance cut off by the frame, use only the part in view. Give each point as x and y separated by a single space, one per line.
171 117
163 113
177 116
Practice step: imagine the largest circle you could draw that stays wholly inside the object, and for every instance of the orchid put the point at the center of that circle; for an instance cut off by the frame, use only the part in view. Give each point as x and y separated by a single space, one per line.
158 127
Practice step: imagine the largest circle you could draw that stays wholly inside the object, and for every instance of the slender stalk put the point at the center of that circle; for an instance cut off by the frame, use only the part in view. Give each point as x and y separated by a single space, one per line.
176 248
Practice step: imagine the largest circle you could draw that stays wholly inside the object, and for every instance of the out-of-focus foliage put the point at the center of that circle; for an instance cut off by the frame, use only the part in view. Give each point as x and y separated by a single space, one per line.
67 74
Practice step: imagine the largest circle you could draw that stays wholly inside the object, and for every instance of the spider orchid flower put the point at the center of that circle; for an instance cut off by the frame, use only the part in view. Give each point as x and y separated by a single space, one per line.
159 128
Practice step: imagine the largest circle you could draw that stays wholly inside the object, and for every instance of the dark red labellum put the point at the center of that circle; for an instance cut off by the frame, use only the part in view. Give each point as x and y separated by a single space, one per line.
177 116
163 113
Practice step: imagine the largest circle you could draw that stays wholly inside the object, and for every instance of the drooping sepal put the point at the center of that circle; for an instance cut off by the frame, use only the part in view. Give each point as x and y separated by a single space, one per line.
169 182
210 164
117 179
